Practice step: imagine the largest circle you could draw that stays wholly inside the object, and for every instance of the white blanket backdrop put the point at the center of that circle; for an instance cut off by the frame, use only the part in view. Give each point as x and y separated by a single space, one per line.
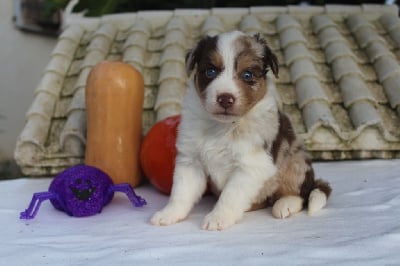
359 226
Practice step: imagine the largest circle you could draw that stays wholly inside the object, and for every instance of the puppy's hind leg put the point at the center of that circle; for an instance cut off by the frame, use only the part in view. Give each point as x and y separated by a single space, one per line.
286 206
188 186
318 196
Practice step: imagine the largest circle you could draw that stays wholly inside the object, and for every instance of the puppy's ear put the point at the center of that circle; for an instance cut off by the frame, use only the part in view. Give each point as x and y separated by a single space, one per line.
191 60
194 55
269 58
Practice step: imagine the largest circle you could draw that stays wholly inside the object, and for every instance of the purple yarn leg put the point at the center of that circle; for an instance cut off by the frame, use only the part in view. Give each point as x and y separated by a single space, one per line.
130 193
34 206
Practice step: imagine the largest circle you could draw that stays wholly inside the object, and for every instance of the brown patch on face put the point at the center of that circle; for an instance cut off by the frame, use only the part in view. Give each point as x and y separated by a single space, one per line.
249 71
194 56
205 56
253 58
285 133
269 58
210 60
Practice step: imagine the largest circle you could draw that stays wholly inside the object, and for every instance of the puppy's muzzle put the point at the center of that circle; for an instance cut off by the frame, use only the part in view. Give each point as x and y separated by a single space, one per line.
226 100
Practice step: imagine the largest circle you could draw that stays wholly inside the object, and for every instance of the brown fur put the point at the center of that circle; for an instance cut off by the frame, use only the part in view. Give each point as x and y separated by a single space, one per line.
253 55
248 58
285 133
295 175
204 55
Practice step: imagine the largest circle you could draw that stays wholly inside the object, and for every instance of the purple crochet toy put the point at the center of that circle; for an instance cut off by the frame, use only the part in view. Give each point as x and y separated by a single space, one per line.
80 191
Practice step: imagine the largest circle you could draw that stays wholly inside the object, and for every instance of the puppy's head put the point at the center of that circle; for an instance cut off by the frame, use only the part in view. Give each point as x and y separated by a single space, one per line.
230 73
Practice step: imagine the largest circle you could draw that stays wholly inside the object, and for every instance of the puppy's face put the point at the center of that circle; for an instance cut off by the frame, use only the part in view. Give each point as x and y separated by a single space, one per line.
230 73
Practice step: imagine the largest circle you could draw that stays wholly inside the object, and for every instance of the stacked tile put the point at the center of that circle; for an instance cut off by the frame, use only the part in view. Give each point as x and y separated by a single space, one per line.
250 25
30 150
383 60
338 79
72 137
212 26
391 23
311 98
357 98
172 79
135 45
135 53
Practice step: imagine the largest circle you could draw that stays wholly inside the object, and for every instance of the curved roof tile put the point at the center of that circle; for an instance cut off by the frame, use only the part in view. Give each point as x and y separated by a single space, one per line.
136 38
338 49
73 135
364 114
344 66
51 83
328 36
295 52
385 64
317 114
290 36
392 90
308 90
302 68
174 38
285 21
320 22
354 89
212 26
73 33
250 24
177 24
173 53
386 67
170 93
391 23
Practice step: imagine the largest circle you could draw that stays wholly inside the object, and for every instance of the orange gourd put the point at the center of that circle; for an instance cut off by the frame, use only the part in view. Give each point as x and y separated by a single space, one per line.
158 152
114 101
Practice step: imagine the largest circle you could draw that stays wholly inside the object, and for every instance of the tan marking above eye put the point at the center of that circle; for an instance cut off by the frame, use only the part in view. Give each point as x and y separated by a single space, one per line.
215 60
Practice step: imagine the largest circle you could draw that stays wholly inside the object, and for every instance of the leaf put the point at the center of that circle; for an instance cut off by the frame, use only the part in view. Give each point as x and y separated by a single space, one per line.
92 8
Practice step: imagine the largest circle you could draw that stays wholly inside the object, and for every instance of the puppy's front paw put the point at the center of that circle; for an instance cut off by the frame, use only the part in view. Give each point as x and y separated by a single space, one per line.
215 221
286 206
166 217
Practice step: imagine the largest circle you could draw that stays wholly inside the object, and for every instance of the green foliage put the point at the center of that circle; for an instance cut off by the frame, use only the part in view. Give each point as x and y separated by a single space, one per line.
93 8
52 6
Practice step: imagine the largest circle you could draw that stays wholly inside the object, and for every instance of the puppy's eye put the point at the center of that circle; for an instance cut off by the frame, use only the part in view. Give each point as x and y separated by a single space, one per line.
211 73
247 75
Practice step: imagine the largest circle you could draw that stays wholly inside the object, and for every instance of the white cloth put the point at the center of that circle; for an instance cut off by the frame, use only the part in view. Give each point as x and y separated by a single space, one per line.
359 226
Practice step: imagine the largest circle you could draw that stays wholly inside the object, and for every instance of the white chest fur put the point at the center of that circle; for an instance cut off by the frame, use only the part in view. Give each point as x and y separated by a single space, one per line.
225 148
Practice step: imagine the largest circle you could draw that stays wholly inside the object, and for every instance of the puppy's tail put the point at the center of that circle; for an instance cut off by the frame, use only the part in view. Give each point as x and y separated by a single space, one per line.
318 196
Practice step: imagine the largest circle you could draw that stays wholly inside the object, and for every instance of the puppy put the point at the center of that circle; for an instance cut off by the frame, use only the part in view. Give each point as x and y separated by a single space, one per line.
233 137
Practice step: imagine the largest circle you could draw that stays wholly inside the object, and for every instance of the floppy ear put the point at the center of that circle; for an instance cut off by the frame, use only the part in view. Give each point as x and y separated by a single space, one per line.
190 61
269 58
194 55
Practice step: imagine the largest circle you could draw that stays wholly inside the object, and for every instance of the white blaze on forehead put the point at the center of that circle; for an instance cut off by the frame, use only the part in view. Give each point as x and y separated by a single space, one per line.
225 83
227 49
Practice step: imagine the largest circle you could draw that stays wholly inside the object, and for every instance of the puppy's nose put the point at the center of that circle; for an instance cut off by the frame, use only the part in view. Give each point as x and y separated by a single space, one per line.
226 100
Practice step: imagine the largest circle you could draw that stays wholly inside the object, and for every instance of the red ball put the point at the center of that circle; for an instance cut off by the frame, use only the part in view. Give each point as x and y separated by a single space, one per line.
158 152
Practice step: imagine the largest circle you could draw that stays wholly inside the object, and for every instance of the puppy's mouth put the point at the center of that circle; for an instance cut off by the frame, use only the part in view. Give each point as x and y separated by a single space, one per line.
225 116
